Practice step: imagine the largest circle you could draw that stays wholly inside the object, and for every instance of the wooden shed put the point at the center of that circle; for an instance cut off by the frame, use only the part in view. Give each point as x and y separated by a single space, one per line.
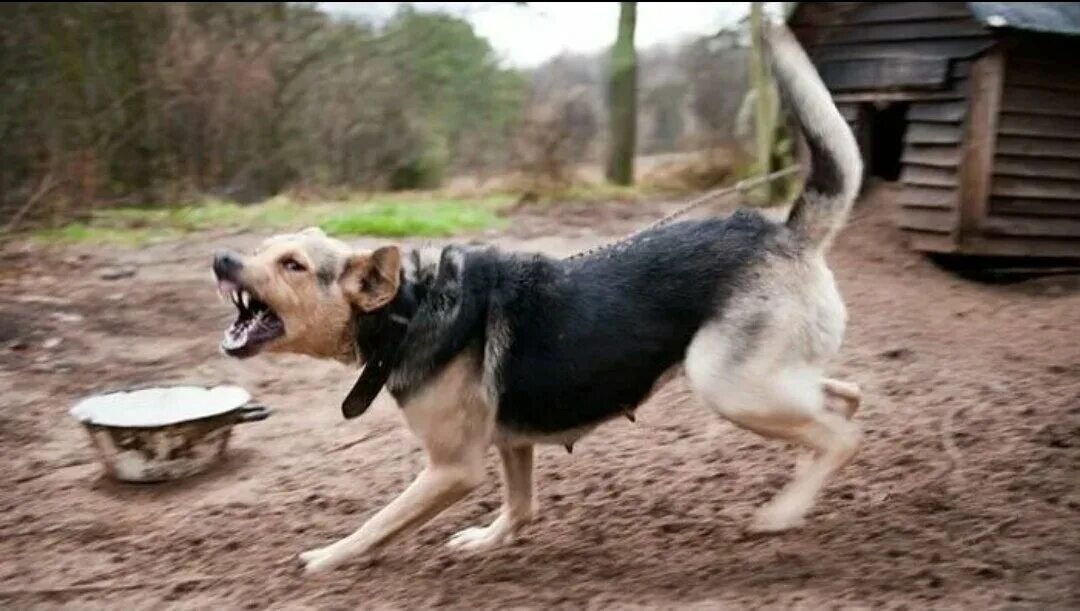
974 107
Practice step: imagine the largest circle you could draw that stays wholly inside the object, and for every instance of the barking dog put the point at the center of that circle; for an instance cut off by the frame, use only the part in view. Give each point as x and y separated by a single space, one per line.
484 348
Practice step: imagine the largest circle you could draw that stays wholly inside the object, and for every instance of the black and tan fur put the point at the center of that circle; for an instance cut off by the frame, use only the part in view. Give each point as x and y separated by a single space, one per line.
485 348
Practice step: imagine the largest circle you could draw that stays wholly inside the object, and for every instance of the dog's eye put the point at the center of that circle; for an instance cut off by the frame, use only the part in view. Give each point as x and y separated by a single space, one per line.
292 265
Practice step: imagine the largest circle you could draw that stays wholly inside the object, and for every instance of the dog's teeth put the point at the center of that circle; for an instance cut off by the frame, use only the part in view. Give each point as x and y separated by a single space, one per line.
245 298
236 297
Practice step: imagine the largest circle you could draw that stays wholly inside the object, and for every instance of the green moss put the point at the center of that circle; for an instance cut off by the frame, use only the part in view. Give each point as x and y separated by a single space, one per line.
428 219
80 233
392 215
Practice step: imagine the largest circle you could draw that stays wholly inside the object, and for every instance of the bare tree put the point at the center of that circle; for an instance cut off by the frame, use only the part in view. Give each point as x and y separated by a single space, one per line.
622 99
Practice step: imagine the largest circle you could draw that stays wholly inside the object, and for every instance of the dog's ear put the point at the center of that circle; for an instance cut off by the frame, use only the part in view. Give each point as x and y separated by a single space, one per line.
370 280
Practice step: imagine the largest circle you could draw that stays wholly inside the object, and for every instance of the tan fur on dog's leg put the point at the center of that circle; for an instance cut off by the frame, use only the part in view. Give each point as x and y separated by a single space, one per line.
455 426
849 392
517 509
436 489
834 441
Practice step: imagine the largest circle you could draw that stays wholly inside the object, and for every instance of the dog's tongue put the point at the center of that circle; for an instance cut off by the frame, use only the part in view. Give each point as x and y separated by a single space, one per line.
227 287
236 336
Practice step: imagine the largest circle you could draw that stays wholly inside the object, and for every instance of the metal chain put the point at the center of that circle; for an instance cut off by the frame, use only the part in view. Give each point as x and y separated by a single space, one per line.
740 187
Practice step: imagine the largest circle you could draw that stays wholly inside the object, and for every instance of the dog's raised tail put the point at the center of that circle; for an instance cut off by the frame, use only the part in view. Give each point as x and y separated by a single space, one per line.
835 163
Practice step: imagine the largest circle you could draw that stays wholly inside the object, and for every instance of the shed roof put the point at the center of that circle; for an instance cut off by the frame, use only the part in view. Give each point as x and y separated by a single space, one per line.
1049 17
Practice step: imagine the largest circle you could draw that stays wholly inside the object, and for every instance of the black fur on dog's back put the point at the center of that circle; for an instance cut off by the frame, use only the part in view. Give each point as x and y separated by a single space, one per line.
571 343
567 344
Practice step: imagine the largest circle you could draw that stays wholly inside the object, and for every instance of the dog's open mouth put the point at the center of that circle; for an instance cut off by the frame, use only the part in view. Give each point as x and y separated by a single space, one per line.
255 325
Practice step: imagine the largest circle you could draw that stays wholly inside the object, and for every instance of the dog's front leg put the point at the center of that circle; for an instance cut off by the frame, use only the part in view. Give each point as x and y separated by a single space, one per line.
517 509
435 489
454 426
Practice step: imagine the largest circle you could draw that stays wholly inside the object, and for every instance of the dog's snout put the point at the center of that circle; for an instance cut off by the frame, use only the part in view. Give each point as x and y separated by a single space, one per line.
226 264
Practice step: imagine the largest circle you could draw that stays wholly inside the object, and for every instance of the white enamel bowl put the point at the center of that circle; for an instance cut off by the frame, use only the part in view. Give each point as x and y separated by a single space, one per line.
164 433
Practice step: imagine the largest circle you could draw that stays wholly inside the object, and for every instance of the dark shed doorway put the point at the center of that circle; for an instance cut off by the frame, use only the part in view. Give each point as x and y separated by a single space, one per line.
884 126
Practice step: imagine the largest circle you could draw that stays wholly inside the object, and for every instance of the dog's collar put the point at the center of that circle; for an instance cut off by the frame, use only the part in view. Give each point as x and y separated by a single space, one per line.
379 336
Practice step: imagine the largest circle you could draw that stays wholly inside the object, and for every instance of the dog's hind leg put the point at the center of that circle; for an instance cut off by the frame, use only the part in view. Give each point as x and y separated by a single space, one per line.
454 425
517 509
832 441
851 397
849 392
783 401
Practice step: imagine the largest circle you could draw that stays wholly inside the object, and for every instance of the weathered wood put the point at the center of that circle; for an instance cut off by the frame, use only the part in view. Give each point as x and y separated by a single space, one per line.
1038 147
930 49
960 69
1037 47
1050 167
946 156
892 73
839 13
928 176
1036 101
1035 207
918 29
1039 188
899 96
924 241
1031 226
941 112
1053 75
850 112
877 12
1014 124
994 121
933 133
987 75
1020 247
918 196
1034 79
927 219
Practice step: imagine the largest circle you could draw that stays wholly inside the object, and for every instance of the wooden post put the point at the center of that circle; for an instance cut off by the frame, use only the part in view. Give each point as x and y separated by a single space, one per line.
980 139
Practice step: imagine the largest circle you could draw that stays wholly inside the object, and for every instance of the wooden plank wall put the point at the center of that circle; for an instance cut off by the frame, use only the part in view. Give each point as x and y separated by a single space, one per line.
927 48
933 150
1034 206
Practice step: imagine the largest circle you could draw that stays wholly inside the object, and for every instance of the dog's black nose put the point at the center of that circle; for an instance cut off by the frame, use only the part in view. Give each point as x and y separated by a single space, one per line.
225 265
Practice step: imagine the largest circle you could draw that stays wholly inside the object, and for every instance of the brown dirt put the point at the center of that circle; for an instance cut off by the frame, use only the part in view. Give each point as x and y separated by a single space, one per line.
964 496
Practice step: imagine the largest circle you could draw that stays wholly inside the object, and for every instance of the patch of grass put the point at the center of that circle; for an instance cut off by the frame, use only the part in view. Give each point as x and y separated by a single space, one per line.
388 216
210 214
81 233
428 219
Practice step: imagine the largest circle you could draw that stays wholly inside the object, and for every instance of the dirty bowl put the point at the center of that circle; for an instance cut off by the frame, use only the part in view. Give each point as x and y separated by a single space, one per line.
164 433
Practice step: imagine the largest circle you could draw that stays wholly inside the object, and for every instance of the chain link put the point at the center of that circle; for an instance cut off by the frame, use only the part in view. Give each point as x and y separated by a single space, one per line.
740 187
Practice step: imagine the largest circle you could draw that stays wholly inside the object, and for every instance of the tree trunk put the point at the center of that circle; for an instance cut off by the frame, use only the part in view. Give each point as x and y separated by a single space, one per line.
622 99
765 104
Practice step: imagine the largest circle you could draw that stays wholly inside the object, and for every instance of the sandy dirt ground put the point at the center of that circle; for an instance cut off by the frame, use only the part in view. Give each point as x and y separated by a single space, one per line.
965 495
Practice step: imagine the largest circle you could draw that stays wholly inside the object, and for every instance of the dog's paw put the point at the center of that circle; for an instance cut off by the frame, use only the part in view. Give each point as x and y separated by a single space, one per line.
775 519
319 560
310 555
480 538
